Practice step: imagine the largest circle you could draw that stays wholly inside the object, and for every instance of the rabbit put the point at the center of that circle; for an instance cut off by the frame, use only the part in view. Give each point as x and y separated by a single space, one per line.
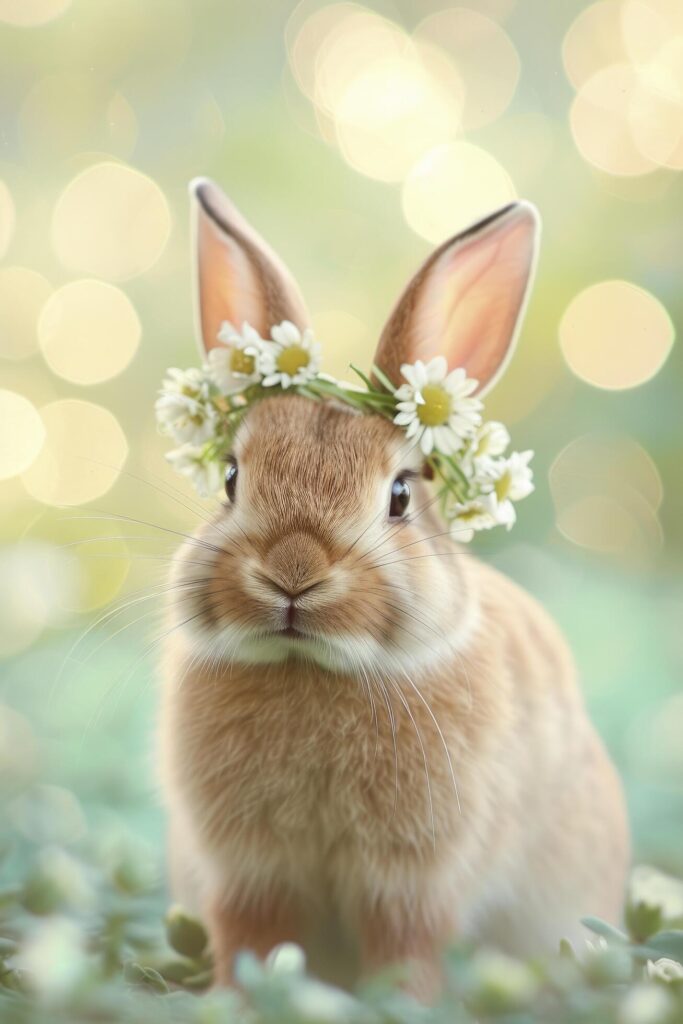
372 743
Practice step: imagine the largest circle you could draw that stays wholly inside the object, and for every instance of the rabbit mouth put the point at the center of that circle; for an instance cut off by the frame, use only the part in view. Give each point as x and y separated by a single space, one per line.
291 631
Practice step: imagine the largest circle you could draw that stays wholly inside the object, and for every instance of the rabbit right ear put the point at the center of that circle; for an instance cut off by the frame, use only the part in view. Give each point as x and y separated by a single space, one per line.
466 302
238 277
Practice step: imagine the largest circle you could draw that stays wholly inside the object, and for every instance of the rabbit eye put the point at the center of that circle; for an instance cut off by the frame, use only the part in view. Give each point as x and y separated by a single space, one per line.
400 498
231 479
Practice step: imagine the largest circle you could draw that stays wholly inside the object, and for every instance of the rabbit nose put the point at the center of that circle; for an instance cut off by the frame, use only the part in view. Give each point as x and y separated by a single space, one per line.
296 563
290 594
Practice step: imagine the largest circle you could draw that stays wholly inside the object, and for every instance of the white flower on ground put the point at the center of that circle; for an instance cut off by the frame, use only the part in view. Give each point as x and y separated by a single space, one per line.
646 1004
436 406
55 959
205 474
233 364
183 409
292 357
482 513
665 969
287 958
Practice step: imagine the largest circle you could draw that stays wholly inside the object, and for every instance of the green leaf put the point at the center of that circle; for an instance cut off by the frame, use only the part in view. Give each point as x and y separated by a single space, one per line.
177 970
366 380
383 379
608 931
42 895
185 934
146 977
8 947
643 920
667 943
198 981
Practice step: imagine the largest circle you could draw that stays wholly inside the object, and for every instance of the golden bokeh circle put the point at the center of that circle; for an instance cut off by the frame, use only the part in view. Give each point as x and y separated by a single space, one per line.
7 218
602 523
451 187
23 293
644 30
82 456
594 41
22 434
392 112
384 98
304 36
485 56
354 43
600 122
88 331
656 110
28 13
111 221
615 335
613 465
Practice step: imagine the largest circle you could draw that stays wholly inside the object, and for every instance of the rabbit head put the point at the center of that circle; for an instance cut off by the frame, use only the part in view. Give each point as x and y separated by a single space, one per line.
330 547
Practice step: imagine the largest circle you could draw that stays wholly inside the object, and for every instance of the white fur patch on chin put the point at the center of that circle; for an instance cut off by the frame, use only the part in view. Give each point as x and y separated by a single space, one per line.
358 656
233 644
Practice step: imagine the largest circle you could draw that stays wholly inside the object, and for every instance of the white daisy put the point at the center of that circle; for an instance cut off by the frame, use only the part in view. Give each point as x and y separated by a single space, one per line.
292 357
435 406
193 383
665 969
481 513
511 478
490 440
233 365
183 409
205 474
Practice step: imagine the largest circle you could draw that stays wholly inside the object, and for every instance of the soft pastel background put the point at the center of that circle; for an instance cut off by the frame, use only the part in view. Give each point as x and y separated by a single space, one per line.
354 138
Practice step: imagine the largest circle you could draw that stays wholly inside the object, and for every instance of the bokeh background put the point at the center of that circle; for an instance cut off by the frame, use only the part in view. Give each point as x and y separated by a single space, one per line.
354 137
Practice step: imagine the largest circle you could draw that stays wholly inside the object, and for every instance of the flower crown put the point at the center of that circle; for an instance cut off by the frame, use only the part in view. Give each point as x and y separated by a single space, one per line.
479 483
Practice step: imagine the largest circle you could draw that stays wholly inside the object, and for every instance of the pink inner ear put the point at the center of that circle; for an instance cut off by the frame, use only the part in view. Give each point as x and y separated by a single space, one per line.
238 276
469 301
227 287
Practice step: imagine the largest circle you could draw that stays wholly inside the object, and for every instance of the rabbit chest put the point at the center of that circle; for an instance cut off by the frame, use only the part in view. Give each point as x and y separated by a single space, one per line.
308 768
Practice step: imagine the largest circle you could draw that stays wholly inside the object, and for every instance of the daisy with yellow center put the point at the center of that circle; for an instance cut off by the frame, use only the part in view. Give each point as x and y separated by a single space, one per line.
436 406
234 363
469 517
182 409
291 358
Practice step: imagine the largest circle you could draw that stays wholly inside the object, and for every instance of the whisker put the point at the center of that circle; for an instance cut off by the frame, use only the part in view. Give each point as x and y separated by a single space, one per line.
392 529
441 736
405 704
119 517
410 558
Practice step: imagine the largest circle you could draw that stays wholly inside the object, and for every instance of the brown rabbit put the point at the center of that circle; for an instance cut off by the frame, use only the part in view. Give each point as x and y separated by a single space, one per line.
370 739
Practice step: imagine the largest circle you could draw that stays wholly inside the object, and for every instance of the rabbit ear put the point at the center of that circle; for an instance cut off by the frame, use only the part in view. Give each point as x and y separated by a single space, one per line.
466 301
238 276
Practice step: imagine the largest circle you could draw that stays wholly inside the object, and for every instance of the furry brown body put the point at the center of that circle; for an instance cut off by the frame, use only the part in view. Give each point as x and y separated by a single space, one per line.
412 763
469 797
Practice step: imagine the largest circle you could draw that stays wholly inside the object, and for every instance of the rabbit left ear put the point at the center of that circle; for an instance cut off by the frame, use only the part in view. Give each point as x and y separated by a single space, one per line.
238 276
466 302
